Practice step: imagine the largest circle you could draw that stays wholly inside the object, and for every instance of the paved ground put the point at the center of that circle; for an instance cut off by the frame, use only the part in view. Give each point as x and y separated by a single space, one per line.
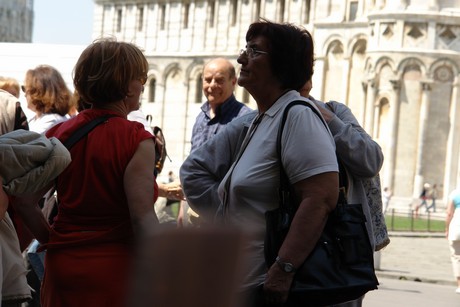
414 270
416 257
399 293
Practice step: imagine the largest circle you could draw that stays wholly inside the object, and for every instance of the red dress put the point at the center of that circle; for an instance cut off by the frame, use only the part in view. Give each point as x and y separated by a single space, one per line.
91 242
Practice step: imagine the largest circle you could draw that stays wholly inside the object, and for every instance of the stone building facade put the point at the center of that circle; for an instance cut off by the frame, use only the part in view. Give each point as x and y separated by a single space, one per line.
16 21
395 63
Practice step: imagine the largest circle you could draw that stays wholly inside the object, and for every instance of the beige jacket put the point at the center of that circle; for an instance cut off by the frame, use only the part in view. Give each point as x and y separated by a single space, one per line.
13 282
7 111
29 161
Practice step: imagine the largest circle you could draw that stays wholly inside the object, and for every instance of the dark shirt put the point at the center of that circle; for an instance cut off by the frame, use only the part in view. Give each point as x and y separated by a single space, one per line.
205 127
20 119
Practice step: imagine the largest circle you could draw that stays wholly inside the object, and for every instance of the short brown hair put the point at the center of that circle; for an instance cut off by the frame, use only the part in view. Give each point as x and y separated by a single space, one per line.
105 68
48 90
291 51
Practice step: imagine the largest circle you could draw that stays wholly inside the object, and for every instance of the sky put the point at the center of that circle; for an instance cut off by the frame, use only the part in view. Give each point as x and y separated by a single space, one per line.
68 22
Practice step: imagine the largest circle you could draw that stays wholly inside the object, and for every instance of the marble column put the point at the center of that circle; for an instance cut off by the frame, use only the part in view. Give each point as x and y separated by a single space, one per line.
390 163
452 170
346 79
362 113
370 106
422 130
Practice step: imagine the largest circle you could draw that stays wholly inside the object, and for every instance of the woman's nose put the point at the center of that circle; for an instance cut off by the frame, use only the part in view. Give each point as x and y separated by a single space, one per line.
242 58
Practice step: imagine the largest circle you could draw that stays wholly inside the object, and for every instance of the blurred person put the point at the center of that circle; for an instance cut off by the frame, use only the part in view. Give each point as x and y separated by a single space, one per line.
433 196
50 99
14 288
276 62
107 193
28 163
424 195
170 190
453 233
220 108
48 96
10 85
362 167
13 109
387 194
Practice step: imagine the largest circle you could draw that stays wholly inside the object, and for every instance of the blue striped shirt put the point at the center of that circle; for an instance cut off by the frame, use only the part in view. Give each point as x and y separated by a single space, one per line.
205 127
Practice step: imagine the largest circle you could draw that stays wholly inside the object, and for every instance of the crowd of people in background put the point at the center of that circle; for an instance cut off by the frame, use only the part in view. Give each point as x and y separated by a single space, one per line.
88 222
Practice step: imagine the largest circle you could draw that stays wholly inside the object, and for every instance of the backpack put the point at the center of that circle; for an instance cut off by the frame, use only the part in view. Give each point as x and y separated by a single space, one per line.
160 150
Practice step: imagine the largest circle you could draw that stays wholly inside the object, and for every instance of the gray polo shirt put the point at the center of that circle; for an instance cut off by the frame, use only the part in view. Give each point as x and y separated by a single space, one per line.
307 149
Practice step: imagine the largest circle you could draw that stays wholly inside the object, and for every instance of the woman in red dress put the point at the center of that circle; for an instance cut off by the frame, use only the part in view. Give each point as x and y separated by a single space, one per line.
106 195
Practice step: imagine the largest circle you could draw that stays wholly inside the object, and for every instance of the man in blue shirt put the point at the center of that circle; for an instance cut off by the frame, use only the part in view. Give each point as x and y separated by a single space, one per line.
221 107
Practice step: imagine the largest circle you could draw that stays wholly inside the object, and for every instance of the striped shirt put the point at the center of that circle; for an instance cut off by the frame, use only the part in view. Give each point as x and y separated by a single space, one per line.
205 127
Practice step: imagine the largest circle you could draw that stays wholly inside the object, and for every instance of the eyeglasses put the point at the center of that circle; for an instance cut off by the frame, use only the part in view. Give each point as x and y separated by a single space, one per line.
251 52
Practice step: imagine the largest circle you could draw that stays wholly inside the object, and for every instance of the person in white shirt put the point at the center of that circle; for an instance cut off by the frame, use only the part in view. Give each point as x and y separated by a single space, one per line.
48 96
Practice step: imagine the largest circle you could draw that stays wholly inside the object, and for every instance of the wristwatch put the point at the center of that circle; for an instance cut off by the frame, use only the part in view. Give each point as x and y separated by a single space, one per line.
285 266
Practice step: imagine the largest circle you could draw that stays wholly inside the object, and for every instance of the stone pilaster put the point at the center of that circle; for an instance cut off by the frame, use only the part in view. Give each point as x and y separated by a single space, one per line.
370 106
452 171
390 164
422 130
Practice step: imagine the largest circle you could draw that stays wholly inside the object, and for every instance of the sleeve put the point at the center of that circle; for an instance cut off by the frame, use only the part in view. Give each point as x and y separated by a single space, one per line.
204 169
307 147
361 155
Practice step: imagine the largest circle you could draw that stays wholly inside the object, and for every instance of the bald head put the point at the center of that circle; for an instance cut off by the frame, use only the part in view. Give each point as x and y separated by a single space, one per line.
219 79
223 64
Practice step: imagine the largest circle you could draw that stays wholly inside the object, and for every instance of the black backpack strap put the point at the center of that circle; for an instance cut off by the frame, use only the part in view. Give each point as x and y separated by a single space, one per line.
72 140
343 180
84 130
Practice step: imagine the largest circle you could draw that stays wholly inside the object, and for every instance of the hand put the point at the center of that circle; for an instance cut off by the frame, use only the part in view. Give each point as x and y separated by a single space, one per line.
277 285
325 112
26 206
172 190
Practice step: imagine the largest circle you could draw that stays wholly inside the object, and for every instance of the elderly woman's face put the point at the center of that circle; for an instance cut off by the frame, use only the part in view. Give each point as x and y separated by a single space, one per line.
256 74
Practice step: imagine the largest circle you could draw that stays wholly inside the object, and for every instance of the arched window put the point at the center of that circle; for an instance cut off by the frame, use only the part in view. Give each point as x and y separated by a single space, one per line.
152 88
199 89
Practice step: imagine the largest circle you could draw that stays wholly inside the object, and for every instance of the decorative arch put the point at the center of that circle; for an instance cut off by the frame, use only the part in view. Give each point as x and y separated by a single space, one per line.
334 83
195 81
151 88
329 41
171 71
358 43
382 124
443 70
411 64
385 61
356 96
335 47
196 67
